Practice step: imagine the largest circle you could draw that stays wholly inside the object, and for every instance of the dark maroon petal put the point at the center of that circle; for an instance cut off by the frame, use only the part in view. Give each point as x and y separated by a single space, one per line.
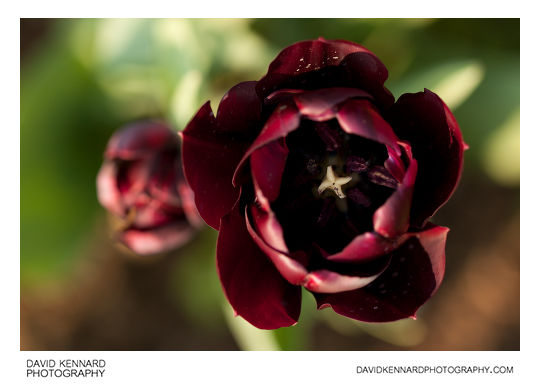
107 189
304 57
252 284
427 124
141 139
155 240
240 109
267 165
209 159
365 247
392 218
358 117
365 71
283 120
271 242
413 276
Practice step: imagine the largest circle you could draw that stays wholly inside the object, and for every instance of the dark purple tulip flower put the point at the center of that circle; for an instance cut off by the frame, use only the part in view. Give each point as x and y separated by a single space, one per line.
316 178
141 182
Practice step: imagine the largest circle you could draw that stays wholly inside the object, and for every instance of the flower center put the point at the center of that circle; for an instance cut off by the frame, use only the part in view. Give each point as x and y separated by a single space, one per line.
333 183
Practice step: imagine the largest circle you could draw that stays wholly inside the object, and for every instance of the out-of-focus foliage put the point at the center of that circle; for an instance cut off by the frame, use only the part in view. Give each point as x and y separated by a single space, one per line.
65 121
87 77
167 67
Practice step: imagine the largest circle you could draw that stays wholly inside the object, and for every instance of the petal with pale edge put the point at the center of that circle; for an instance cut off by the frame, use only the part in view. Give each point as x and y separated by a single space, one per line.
253 286
427 124
358 117
414 274
392 218
365 247
320 105
107 189
157 240
283 120
271 242
325 281
267 165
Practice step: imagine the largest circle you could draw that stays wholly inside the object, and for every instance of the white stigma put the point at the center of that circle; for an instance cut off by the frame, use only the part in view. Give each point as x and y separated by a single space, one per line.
330 181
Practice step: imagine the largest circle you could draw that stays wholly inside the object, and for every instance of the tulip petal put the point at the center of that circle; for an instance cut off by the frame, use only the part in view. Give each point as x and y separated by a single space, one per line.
209 160
267 165
140 139
149 212
392 218
271 242
413 276
304 57
283 120
364 70
132 178
165 177
428 125
320 104
240 109
364 247
157 240
358 117
321 63
325 281
252 284
188 204
107 189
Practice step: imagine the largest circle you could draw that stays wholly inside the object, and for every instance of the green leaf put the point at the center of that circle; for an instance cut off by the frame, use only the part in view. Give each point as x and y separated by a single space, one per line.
454 82
65 124
501 152
403 333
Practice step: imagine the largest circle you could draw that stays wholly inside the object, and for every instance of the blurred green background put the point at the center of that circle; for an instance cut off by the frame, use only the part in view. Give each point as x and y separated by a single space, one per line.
82 79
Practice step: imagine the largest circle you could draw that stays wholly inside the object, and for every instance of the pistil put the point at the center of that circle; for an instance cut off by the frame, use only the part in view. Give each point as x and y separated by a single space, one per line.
333 183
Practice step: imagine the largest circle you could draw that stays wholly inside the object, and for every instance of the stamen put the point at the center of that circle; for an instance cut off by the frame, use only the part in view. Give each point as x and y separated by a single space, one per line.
331 182
356 164
381 176
312 167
